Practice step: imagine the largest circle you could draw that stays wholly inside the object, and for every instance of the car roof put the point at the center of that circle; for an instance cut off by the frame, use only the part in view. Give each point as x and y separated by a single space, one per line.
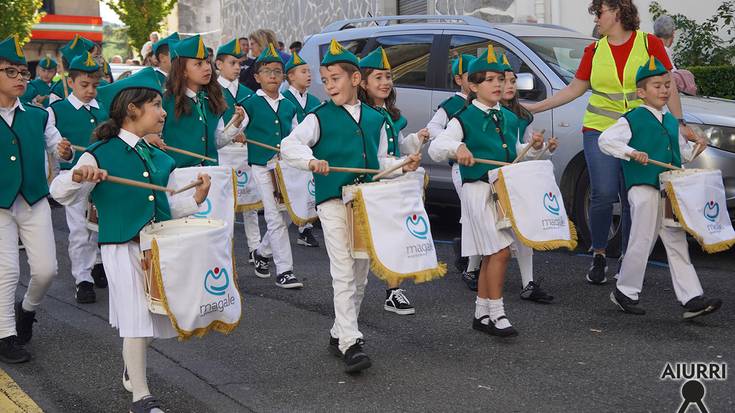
533 29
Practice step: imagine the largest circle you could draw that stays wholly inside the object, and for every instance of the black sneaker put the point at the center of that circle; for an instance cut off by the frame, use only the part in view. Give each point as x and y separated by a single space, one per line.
251 260
287 280
85 293
396 302
99 276
334 347
262 269
699 306
24 323
533 292
460 262
626 304
596 273
470 279
356 359
11 352
490 328
147 404
306 238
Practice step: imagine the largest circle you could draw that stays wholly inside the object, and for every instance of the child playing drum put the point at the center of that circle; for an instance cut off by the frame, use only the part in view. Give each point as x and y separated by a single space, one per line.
647 133
135 110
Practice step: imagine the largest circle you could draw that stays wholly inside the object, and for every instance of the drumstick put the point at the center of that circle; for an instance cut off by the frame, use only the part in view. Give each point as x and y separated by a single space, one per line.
189 186
262 145
525 150
698 151
659 163
63 75
78 148
491 162
353 170
185 152
399 166
131 182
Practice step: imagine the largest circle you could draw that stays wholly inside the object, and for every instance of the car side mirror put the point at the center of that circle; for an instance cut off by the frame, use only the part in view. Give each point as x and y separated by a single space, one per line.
525 82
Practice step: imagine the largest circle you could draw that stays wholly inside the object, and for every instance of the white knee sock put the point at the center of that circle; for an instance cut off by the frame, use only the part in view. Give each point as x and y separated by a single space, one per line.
474 263
497 310
135 356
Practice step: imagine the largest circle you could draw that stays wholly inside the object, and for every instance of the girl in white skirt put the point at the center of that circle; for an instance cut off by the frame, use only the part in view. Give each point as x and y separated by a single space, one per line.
485 130
135 111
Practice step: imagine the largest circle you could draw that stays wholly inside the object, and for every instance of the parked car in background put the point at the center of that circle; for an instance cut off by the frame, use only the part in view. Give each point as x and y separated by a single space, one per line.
546 57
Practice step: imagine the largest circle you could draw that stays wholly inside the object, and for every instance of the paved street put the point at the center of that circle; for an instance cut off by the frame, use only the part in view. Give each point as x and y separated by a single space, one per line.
577 355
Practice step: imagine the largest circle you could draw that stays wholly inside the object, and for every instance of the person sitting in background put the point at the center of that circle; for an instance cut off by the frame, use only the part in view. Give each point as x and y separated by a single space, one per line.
664 28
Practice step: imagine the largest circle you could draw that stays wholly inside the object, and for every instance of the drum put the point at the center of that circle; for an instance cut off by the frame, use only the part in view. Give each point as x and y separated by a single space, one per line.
277 191
220 202
92 218
235 156
297 190
668 218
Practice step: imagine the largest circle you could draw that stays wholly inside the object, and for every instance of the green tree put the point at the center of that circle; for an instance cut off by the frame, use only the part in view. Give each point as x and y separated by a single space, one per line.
141 17
18 17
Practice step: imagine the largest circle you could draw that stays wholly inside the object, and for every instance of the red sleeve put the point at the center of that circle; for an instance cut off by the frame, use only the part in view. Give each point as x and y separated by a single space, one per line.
584 71
656 48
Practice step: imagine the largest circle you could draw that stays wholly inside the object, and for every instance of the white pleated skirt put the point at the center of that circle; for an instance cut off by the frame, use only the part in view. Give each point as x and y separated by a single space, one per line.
128 305
479 233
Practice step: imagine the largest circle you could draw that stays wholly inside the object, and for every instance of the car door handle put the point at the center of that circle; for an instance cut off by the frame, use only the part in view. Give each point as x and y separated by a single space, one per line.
563 124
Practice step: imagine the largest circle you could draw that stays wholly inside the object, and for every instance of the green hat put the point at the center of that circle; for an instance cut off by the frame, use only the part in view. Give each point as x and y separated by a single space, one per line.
169 40
143 79
192 47
293 61
84 63
76 46
377 59
488 61
231 48
106 69
506 63
47 63
336 53
461 64
11 50
652 68
269 55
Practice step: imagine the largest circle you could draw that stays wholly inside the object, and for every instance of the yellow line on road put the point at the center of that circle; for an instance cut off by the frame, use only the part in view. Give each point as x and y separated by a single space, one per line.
13 399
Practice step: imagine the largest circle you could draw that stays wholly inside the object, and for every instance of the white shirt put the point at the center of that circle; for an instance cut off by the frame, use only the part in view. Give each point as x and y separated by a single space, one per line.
407 145
296 147
273 103
222 139
50 133
440 119
231 86
76 103
445 146
614 140
299 97
67 192
158 69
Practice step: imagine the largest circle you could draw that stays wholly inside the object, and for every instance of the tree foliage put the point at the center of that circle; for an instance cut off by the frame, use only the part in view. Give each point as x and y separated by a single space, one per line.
141 17
18 17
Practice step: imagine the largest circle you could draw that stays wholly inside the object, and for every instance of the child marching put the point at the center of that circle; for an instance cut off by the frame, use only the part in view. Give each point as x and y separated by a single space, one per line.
39 88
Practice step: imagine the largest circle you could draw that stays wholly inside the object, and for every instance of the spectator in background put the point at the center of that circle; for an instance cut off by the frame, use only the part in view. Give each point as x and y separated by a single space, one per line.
244 46
259 40
295 47
116 59
664 28
281 46
148 46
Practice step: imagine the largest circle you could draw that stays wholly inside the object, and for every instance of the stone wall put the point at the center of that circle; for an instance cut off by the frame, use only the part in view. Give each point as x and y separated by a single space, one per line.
494 11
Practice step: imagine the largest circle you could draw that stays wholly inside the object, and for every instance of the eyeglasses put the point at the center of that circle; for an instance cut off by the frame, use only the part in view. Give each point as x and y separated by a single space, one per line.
12 73
271 72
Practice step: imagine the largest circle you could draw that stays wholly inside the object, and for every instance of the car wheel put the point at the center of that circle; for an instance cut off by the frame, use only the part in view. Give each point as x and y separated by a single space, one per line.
582 218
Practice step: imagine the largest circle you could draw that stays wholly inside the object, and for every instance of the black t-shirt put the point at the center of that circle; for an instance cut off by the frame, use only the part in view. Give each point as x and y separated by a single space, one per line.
247 76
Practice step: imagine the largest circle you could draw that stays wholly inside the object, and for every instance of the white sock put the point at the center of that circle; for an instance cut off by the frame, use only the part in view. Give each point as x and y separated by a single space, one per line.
135 357
481 308
497 310
474 263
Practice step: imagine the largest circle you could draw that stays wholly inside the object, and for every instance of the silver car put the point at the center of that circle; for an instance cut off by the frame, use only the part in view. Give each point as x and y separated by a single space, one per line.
546 58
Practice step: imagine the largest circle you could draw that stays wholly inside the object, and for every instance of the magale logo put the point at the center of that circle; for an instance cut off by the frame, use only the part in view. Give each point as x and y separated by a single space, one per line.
551 203
207 209
216 281
711 211
417 226
311 187
242 178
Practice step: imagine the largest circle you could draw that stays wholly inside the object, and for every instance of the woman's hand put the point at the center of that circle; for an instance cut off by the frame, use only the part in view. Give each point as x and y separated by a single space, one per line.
319 167
464 156
202 190
415 161
88 173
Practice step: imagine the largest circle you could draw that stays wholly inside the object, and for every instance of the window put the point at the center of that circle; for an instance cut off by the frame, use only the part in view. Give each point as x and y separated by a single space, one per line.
355 46
562 54
408 55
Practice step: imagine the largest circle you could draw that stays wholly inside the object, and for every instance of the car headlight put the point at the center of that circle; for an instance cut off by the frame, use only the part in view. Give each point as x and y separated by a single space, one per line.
722 137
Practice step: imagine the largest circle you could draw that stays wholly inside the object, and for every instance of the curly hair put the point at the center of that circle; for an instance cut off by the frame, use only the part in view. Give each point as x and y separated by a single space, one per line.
627 12
390 101
176 87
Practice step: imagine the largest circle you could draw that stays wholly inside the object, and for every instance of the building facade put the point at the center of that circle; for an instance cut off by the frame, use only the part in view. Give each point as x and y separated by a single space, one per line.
63 19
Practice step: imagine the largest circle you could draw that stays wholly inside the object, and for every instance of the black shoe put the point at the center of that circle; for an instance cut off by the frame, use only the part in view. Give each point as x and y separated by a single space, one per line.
460 262
470 279
625 303
147 404
334 347
699 306
262 268
596 274
396 302
533 292
490 328
85 293
356 359
11 352
24 323
287 280
306 238
99 276
251 260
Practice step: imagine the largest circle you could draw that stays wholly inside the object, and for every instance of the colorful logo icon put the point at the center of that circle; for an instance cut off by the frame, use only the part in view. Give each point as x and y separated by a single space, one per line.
207 209
551 203
242 178
711 211
216 281
311 187
417 226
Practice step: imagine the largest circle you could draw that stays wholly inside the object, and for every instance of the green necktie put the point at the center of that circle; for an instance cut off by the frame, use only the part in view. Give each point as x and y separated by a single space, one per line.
199 104
145 152
495 116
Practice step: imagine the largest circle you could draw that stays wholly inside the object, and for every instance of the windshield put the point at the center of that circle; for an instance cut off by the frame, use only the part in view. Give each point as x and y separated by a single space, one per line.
562 54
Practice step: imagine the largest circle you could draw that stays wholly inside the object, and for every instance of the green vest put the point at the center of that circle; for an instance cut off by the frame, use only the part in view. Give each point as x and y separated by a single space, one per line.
124 210
452 105
76 125
497 142
190 132
36 87
23 157
659 140
58 89
242 93
392 129
311 103
521 124
266 126
344 142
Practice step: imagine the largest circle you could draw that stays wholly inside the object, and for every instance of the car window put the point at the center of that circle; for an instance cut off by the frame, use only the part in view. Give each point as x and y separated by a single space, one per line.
408 55
355 46
474 46
562 54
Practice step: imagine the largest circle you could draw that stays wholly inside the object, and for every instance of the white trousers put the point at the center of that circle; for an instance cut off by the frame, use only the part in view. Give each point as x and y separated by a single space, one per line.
276 238
252 229
349 275
644 231
32 224
83 251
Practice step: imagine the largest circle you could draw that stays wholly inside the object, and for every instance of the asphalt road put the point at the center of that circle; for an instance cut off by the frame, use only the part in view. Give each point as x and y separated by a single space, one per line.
577 355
